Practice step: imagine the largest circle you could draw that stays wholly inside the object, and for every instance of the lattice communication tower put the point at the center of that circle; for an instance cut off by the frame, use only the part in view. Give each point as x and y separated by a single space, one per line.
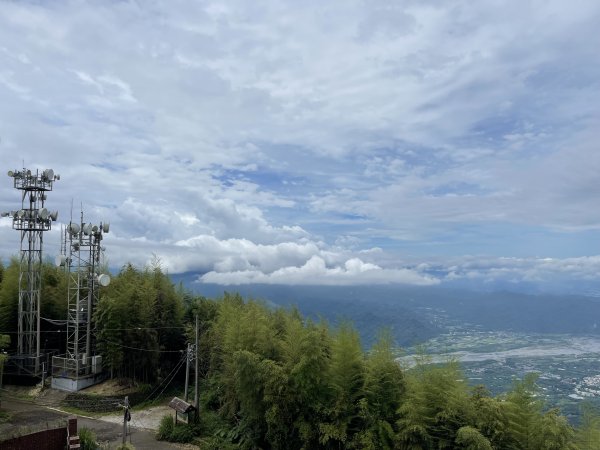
82 259
32 220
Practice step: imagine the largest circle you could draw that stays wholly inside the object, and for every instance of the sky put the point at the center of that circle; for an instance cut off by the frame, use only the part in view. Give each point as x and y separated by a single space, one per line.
335 143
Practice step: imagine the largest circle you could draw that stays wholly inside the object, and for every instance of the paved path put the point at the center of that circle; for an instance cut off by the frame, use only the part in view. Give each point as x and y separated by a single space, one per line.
29 414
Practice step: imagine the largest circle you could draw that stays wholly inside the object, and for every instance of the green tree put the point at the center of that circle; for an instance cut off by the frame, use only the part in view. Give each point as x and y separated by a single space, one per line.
492 418
588 433
437 406
524 406
551 431
345 378
4 344
139 324
53 306
9 299
384 389
296 392
470 438
529 426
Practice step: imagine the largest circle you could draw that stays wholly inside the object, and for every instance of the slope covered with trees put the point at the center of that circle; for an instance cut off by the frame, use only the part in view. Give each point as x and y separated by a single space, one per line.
280 381
274 379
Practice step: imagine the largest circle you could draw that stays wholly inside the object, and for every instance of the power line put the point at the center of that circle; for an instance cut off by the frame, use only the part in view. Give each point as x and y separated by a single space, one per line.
173 372
41 331
101 329
143 349
140 328
54 321
172 377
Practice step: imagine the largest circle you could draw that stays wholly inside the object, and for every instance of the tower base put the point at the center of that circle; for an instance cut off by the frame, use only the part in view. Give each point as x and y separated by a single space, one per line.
76 384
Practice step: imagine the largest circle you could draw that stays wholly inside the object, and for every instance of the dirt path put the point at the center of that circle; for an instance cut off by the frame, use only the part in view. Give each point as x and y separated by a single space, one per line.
148 419
26 413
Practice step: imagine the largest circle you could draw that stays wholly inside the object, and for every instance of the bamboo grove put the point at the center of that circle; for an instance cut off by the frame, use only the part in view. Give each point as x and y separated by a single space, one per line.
272 379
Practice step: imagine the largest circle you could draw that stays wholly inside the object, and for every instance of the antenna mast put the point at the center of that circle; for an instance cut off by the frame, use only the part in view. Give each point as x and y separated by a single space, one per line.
32 220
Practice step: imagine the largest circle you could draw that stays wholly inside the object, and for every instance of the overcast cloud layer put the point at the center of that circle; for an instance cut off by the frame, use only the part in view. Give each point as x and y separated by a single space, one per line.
313 142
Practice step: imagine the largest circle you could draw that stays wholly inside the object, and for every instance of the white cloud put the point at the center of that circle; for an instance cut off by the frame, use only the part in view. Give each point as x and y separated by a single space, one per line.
533 269
316 272
242 139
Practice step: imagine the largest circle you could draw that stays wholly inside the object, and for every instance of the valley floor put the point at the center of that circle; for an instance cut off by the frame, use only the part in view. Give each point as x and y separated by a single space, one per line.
568 365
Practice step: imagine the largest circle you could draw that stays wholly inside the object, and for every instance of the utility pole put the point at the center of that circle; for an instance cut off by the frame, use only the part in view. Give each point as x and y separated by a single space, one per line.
126 417
188 355
196 402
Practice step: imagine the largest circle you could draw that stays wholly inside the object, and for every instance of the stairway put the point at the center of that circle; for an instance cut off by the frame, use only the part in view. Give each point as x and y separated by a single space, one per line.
74 442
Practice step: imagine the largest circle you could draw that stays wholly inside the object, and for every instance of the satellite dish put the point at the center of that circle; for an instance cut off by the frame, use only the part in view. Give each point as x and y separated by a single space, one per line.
60 260
74 228
4 214
95 229
54 216
57 176
43 214
20 213
87 229
11 173
105 227
49 174
103 280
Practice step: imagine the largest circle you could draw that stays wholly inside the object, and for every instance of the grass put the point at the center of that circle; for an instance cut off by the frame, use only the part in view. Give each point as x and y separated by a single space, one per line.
82 412
4 416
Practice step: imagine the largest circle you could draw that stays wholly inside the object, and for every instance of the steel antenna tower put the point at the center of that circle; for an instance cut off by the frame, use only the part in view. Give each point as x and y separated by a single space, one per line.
78 368
31 220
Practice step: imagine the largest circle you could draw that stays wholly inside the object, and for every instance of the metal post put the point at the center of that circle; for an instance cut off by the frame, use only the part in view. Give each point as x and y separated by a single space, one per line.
187 371
3 359
125 410
38 338
196 403
88 331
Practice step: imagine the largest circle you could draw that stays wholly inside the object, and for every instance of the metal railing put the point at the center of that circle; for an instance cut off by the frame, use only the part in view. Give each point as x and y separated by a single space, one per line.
65 367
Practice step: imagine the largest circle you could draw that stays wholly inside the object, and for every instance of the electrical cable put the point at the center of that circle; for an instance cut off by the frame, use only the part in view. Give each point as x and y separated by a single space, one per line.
55 321
177 366
173 377
102 329
143 349
139 328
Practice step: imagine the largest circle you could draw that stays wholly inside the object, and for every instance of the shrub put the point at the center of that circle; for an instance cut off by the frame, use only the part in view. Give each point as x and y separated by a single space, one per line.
182 434
126 446
87 439
216 443
165 429
168 431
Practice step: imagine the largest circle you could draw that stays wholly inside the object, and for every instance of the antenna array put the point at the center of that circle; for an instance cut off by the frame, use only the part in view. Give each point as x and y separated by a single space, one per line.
82 259
32 220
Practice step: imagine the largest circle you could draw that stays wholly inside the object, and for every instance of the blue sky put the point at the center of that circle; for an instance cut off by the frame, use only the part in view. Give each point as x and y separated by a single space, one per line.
314 142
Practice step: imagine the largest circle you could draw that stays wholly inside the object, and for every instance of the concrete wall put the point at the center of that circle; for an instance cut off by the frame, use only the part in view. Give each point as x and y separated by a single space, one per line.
74 385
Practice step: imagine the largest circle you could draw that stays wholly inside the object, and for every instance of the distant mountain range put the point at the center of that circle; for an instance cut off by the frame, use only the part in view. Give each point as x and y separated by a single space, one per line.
416 314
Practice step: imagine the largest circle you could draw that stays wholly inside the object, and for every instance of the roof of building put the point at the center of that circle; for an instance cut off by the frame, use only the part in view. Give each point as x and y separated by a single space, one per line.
181 406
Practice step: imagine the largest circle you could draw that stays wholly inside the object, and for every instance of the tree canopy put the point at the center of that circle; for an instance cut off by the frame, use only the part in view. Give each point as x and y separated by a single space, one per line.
273 379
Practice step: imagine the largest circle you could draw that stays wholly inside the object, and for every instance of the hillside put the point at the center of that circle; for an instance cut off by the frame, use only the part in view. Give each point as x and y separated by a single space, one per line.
415 314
